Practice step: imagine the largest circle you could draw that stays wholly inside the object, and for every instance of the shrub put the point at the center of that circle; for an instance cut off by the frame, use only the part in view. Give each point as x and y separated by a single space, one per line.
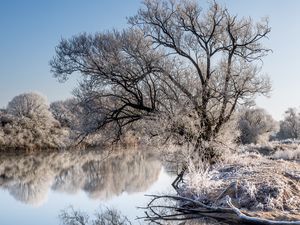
290 125
28 124
256 126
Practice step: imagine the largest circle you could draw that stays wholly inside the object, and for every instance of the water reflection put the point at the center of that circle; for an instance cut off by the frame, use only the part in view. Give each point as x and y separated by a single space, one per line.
111 216
100 174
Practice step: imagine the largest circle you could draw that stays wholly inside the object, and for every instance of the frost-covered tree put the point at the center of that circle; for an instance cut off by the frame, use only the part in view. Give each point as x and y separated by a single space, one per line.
27 123
78 117
290 125
67 112
30 105
175 54
256 125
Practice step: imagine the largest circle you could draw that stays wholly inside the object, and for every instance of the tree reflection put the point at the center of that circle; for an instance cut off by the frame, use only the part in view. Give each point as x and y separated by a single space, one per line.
106 216
111 216
101 175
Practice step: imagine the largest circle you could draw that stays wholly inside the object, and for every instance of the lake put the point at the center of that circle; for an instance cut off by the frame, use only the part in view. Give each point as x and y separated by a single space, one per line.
35 187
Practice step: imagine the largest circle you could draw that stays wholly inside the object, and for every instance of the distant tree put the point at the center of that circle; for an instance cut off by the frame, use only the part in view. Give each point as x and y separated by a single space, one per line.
30 105
79 117
66 112
175 55
290 125
27 123
256 125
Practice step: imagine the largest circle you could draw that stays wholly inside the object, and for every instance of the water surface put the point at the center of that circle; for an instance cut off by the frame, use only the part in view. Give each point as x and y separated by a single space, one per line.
34 188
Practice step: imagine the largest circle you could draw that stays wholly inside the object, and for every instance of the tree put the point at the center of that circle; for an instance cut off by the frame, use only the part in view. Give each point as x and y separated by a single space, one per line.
28 124
80 118
30 105
256 125
67 112
174 55
290 125
119 68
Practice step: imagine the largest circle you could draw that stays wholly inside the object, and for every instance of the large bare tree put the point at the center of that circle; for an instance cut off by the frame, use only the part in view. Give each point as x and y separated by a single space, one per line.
174 55
120 74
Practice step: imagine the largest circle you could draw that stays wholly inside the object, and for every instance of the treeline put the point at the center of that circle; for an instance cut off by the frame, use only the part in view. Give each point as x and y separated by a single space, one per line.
257 126
29 122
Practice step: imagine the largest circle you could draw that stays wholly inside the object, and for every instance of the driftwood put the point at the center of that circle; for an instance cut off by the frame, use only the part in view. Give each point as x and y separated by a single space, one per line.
182 209
178 179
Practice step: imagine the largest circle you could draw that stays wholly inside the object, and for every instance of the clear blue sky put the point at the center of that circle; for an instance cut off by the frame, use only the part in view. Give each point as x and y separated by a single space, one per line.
30 30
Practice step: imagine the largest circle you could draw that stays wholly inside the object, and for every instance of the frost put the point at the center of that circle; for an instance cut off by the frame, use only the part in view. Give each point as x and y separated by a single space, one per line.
254 182
28 124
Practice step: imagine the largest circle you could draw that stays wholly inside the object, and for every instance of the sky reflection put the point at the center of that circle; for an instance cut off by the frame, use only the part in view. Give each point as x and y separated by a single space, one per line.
50 182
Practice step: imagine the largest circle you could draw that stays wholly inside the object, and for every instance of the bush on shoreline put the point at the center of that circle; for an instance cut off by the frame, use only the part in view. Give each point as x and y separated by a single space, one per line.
27 124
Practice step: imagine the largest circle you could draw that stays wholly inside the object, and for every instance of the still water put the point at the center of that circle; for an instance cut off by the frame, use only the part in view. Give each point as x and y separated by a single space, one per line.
34 188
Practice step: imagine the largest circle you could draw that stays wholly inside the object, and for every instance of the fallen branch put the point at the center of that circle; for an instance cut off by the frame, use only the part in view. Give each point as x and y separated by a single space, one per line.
183 208
254 220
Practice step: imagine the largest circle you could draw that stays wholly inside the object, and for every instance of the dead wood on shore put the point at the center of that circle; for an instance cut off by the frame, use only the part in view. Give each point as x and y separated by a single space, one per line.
183 208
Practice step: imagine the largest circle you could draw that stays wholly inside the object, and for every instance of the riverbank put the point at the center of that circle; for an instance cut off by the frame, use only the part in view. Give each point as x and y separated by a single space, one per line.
261 182
251 185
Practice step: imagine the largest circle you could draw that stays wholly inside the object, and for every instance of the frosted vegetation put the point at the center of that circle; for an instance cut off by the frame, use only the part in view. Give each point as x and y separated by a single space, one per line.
180 78
30 123
179 74
253 185
27 124
253 181
177 71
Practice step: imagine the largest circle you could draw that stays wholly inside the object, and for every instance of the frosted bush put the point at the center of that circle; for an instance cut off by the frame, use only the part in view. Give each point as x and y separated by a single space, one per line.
250 189
30 105
290 125
28 124
289 154
201 179
256 126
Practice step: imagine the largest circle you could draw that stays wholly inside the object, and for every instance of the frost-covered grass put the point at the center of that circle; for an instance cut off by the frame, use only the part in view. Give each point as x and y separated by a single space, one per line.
201 179
256 183
289 154
286 149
